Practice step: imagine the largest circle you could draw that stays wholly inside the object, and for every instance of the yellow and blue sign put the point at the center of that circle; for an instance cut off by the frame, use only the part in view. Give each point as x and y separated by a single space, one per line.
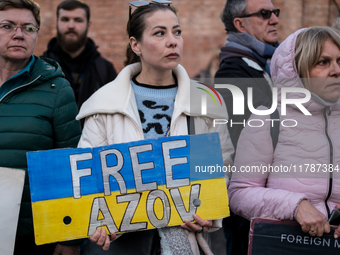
125 187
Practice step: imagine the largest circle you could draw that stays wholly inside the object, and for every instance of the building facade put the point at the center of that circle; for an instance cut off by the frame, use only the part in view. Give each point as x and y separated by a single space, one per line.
200 21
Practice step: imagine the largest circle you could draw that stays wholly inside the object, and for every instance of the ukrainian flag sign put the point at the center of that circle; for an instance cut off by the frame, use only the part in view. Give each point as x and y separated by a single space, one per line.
126 187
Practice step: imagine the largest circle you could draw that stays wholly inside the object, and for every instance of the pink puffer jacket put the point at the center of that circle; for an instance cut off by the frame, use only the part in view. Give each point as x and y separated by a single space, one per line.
300 165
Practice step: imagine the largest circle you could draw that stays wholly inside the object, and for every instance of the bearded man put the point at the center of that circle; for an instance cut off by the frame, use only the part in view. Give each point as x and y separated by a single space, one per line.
84 67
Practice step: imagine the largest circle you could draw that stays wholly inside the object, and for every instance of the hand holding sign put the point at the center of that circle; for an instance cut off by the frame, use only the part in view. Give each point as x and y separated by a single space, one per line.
126 187
201 225
312 221
101 238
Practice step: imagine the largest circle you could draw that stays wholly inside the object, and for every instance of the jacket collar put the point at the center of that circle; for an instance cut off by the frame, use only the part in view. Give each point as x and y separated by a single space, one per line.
117 95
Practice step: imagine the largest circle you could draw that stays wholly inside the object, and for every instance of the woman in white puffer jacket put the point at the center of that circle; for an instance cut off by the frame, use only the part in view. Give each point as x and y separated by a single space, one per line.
152 97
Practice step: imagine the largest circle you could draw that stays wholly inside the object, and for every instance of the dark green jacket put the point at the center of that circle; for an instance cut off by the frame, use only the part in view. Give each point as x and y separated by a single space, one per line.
38 115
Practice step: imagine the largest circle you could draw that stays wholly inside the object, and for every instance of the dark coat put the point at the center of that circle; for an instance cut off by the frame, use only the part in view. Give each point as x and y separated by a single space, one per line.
97 70
246 76
242 75
38 115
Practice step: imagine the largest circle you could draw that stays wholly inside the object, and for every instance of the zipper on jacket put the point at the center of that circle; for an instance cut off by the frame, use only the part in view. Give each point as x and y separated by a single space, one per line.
173 122
330 160
19 88
140 129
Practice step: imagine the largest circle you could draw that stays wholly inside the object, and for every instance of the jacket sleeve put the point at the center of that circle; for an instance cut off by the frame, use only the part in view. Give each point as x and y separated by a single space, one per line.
66 128
227 150
248 194
227 147
94 132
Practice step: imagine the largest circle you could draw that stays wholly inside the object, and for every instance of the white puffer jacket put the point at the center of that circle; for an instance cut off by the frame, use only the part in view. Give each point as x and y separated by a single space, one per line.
112 117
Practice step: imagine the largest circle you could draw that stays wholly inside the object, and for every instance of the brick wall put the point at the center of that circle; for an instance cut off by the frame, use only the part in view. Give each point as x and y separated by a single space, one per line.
202 28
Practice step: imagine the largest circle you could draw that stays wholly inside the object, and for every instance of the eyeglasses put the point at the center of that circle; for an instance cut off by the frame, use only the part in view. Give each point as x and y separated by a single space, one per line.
144 3
266 14
26 29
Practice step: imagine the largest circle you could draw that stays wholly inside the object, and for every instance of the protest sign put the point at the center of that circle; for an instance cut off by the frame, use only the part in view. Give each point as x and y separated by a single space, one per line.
11 186
270 236
125 187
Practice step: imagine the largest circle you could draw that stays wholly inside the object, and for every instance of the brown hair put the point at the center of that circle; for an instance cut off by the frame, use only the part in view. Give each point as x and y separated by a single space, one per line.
22 4
136 26
336 24
70 5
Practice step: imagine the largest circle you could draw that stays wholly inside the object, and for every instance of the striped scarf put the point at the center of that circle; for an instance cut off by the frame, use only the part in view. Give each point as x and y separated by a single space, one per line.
262 52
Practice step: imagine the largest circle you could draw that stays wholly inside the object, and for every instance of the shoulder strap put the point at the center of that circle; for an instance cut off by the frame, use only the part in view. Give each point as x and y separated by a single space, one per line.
275 128
191 125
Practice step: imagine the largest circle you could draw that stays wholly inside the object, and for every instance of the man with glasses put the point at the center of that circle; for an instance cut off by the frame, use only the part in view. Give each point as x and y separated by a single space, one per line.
77 54
244 62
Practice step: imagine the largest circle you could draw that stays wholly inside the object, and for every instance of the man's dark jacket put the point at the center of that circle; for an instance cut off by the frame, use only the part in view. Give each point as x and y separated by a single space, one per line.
97 71
242 69
242 75
38 115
